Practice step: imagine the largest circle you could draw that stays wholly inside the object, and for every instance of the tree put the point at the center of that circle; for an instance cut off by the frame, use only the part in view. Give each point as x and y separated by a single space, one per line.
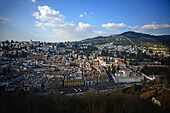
130 62
134 87
95 56
12 41
17 54
7 42
125 56
3 43
113 69
103 53
9 69
4 71
75 93
118 68
165 82
109 69
118 90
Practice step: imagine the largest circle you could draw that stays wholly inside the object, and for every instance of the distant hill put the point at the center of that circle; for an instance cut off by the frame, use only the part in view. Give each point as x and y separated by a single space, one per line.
98 37
132 34
135 37
142 38
164 39
115 39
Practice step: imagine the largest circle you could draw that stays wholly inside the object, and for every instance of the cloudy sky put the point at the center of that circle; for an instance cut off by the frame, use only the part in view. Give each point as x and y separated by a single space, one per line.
68 20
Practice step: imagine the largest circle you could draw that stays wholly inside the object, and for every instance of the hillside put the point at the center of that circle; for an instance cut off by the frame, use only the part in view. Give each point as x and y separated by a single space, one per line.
87 103
142 38
137 38
115 39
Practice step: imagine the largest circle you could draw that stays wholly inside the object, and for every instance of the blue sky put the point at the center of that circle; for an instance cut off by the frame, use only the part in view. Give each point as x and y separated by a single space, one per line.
68 20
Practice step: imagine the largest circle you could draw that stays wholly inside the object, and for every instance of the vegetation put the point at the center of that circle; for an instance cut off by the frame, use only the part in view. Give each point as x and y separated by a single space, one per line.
104 52
166 61
116 40
89 50
135 89
165 100
155 70
153 45
137 38
145 38
73 64
88 103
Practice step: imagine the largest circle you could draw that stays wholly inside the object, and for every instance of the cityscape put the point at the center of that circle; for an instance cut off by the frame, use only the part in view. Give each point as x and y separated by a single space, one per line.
82 69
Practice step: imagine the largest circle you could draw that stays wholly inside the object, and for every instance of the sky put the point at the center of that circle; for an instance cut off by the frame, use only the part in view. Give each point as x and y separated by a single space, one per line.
72 20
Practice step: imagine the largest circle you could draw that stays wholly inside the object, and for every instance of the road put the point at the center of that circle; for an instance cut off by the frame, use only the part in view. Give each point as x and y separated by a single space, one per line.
108 89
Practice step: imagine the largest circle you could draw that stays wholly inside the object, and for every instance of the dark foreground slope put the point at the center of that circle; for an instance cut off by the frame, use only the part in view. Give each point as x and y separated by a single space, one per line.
88 103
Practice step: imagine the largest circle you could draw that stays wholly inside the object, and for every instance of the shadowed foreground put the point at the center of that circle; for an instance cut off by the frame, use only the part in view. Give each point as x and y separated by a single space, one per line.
88 103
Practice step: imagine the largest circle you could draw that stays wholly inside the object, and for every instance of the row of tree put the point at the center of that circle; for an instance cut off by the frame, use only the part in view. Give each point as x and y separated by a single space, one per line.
88 103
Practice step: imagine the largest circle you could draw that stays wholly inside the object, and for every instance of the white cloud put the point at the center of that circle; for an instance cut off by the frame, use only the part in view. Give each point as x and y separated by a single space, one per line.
114 26
154 26
83 26
118 26
52 20
81 16
133 27
100 33
33 1
157 34
48 14
3 19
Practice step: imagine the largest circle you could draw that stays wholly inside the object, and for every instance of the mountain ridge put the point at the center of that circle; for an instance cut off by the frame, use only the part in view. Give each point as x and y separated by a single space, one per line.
136 37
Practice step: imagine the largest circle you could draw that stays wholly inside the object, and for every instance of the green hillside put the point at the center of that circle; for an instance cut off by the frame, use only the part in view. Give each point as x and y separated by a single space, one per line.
123 39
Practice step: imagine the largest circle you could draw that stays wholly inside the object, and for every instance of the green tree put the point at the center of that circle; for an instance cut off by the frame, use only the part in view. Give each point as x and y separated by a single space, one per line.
113 69
109 69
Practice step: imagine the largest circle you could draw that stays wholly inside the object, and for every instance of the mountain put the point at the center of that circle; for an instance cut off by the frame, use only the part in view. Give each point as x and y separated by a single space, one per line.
115 39
127 38
98 37
132 34
143 38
